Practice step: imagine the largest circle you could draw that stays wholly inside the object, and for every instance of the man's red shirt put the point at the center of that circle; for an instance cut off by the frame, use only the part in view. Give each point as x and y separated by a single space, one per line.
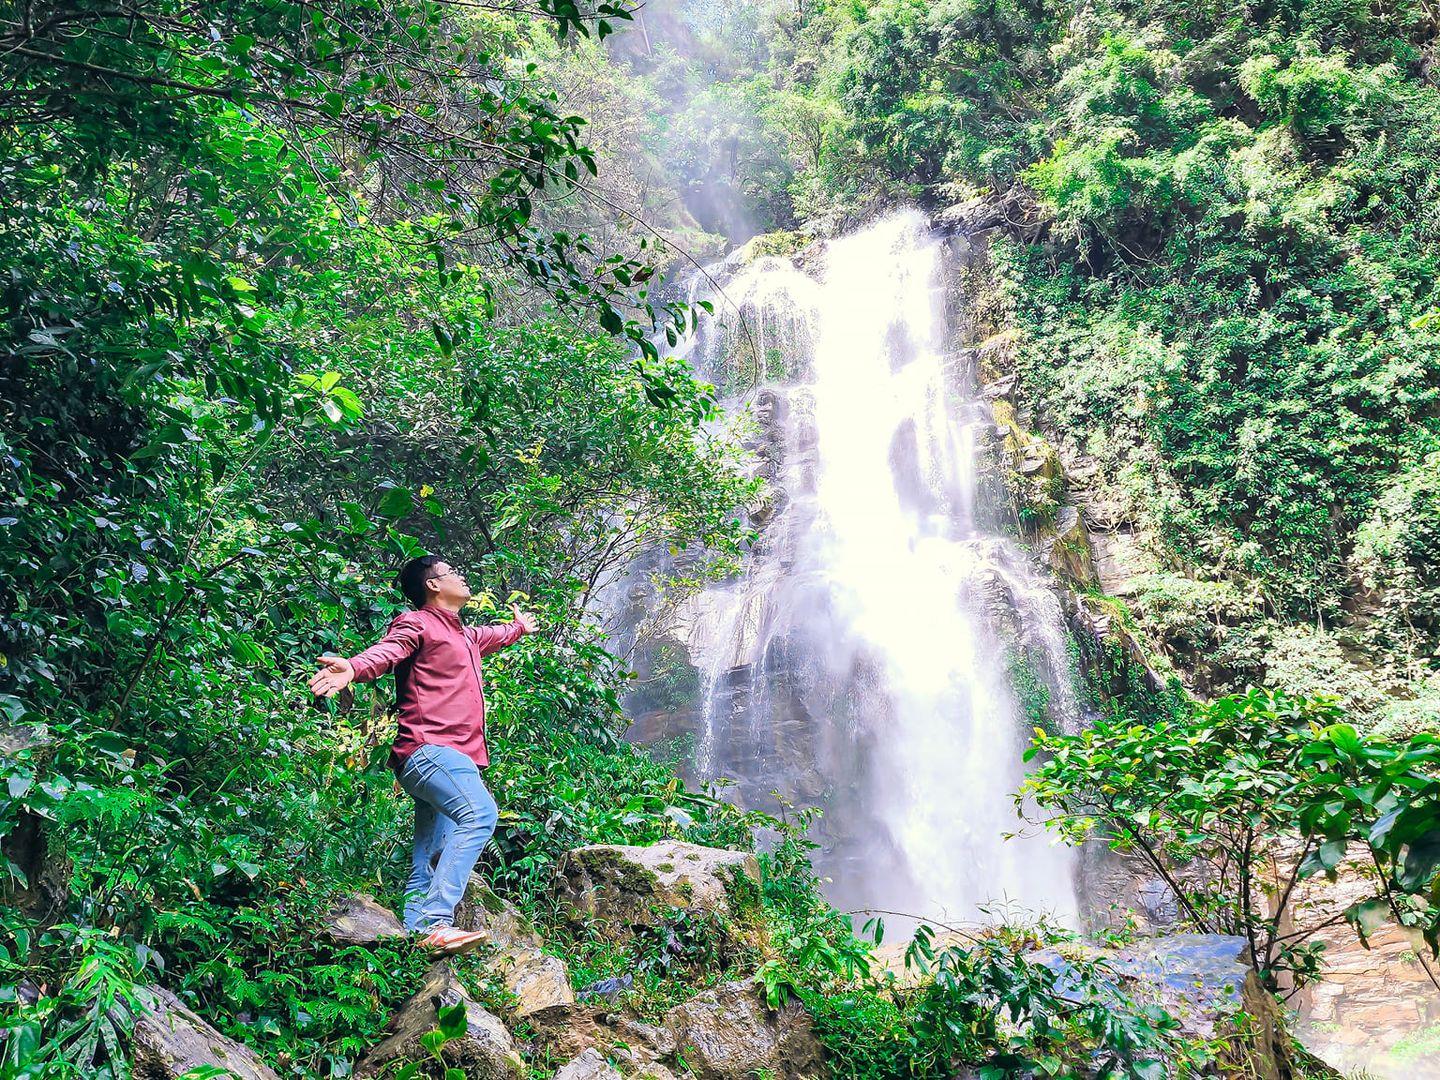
440 693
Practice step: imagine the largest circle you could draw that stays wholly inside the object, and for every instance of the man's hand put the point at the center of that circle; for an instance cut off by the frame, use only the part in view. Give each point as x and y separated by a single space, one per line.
525 619
335 674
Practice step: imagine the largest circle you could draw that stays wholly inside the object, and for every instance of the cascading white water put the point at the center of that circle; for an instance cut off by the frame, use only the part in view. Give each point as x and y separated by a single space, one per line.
857 664
897 546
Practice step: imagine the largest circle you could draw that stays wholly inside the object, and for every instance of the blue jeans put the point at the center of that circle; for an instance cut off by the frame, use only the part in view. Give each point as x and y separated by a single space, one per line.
454 819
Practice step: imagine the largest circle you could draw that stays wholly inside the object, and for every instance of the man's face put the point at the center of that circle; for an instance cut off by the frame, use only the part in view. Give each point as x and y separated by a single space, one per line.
448 585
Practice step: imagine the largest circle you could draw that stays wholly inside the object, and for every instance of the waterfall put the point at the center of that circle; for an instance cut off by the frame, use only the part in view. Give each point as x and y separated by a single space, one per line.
859 662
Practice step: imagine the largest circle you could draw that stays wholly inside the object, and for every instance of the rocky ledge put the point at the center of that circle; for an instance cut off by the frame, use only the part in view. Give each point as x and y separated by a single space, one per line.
170 1041
617 888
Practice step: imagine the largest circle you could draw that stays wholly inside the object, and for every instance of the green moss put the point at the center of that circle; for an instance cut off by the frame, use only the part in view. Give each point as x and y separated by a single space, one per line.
619 873
1422 1044
781 244
742 894
1031 691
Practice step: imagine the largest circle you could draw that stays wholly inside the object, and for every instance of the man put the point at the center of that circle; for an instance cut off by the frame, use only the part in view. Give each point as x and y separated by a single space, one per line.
440 745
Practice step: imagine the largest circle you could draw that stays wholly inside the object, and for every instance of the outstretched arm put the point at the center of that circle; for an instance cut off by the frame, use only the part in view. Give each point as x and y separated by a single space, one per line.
494 638
399 643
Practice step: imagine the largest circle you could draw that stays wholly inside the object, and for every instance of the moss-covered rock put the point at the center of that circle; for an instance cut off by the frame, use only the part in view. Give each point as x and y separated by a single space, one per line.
731 1033
617 888
539 982
171 1041
485 1052
781 244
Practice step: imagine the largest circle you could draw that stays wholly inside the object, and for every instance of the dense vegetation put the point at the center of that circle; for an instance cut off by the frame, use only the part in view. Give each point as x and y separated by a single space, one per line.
1235 804
271 325
293 291
1222 269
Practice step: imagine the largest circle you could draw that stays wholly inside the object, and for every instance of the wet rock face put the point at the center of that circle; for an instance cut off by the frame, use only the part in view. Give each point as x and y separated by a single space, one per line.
619 887
1119 887
1015 210
1369 1001
485 1052
1205 977
170 1040
1207 984
730 1033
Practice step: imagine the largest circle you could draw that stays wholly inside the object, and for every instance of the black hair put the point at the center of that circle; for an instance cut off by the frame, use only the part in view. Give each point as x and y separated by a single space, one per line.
413 576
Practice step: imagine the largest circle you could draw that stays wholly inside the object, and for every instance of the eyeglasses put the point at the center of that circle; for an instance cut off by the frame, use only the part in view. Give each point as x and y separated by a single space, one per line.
447 573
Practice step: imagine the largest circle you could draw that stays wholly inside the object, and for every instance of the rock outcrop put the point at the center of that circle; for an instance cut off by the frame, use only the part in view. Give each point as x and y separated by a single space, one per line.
540 983
568 1033
360 920
1369 1001
591 1065
617 888
726 1033
485 1052
731 1033
1205 981
1015 210
170 1040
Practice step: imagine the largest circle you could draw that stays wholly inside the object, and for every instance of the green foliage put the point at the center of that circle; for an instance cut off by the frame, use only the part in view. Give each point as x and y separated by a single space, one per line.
1305 662
87 1021
451 1023
1236 804
254 357
115 86
925 86
1002 1004
292 294
1030 689
1313 92
1022 1014
1397 552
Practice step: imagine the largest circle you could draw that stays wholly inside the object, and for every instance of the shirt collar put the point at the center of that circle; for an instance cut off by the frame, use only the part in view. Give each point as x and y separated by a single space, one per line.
450 618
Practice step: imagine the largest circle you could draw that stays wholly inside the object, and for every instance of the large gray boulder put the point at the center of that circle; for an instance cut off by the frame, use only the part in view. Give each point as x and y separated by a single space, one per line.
591 1065
731 1033
540 983
1207 983
170 1040
485 1052
617 888
360 920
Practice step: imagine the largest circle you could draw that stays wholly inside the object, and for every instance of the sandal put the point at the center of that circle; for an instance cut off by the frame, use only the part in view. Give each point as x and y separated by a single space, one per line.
451 940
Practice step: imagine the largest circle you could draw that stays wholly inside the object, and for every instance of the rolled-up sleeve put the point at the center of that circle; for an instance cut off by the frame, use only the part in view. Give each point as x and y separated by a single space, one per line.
494 638
401 640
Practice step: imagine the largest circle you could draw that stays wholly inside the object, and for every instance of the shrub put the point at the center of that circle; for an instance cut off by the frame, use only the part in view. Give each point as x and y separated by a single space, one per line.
1237 802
